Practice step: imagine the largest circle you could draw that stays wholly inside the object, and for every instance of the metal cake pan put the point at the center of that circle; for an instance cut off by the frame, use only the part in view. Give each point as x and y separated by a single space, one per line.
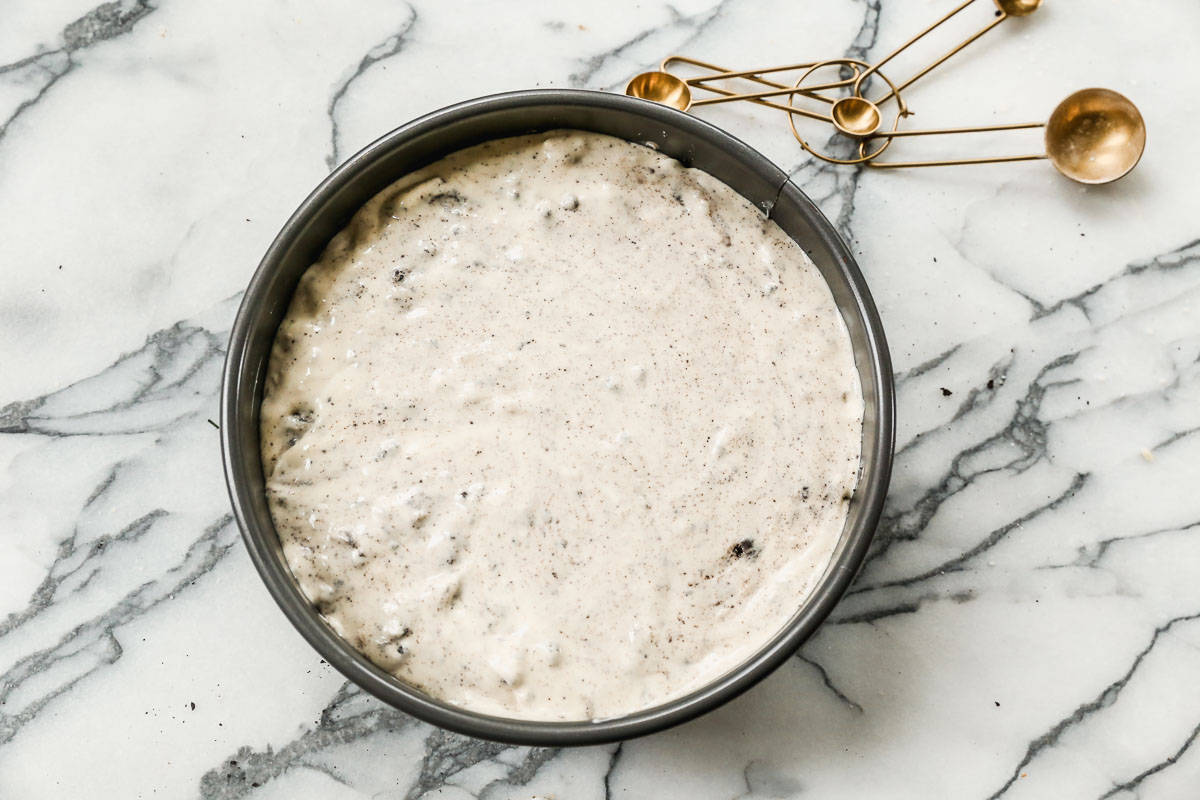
331 205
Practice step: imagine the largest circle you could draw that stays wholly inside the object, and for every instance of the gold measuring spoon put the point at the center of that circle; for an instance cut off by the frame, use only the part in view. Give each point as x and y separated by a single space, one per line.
857 116
662 86
1094 136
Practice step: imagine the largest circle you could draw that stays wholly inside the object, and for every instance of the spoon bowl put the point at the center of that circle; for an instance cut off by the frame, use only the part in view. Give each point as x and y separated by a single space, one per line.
855 116
661 87
1018 8
1095 136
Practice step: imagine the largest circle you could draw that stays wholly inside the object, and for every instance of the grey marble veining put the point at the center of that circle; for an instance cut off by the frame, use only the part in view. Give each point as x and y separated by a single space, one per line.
1028 622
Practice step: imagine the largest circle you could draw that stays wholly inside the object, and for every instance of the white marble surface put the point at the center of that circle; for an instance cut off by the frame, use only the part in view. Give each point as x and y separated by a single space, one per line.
1028 625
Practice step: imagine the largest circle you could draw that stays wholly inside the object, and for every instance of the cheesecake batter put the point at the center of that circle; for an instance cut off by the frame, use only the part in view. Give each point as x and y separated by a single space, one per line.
560 429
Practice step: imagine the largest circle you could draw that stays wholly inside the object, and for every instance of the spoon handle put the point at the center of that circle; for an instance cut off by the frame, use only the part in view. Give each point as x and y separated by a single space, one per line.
717 73
1015 126
955 162
958 48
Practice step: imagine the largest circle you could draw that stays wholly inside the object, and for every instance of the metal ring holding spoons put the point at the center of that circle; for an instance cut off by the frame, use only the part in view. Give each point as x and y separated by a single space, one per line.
863 155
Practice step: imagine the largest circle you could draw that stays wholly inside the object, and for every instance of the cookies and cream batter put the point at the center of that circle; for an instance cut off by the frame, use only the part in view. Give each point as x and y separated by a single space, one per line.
558 428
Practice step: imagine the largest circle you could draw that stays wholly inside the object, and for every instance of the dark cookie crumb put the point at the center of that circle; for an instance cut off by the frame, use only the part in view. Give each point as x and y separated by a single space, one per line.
743 548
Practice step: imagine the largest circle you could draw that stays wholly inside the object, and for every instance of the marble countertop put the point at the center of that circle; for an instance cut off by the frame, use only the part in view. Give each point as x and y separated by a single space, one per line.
1028 624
